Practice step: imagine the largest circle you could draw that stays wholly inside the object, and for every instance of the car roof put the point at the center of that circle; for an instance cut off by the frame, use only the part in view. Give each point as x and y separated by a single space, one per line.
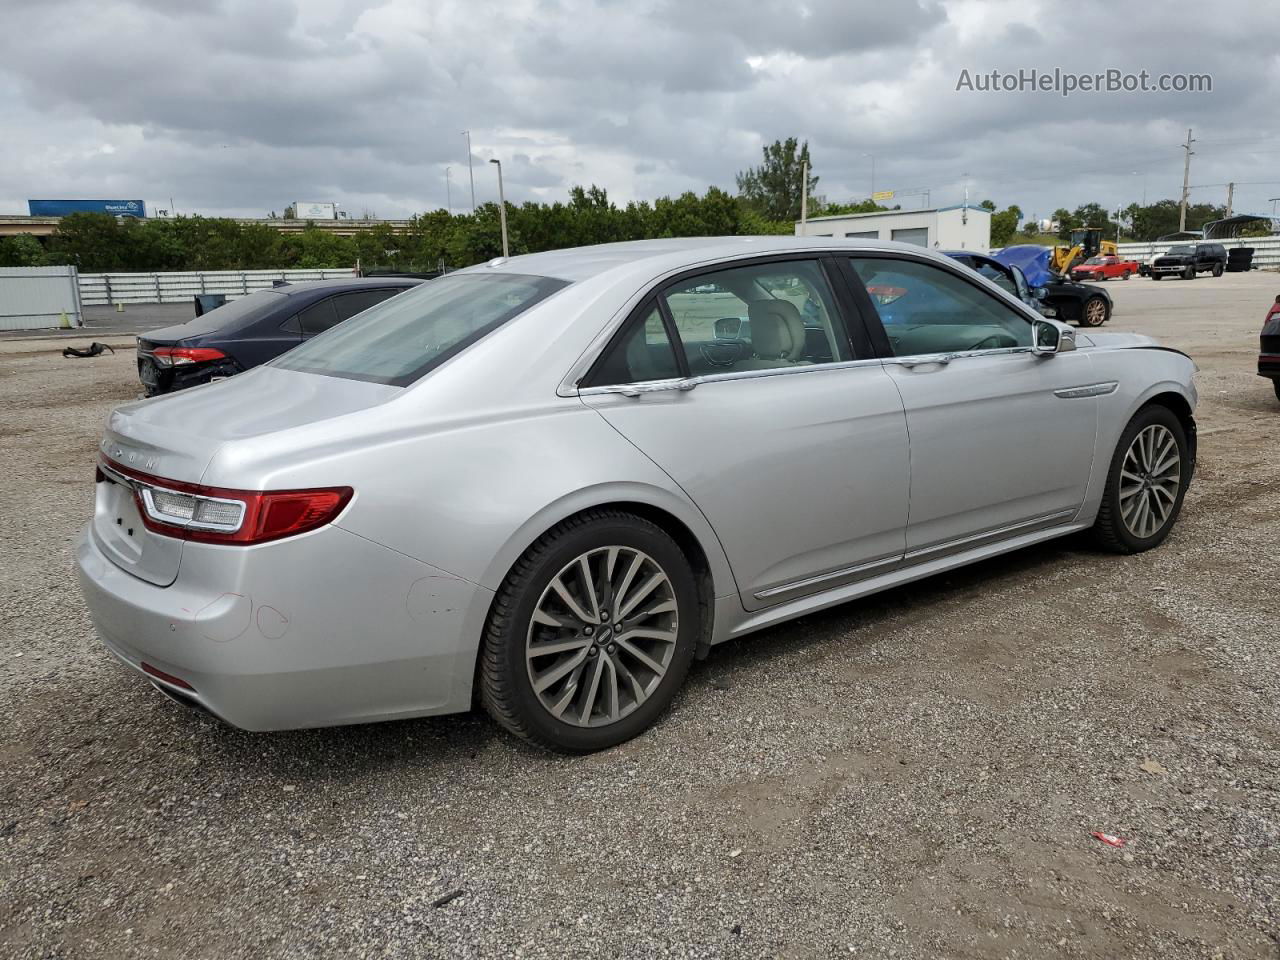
973 254
346 283
582 263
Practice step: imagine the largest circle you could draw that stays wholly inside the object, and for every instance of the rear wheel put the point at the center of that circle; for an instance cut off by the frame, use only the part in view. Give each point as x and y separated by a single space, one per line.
591 634
1148 477
1094 313
1276 385
1126 274
1217 269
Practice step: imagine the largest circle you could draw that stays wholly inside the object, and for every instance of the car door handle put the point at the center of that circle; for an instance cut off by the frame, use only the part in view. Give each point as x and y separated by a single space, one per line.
659 386
924 359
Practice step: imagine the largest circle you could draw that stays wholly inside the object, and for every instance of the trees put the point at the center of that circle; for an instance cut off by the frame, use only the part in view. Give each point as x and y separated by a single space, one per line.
101 243
20 251
1004 224
773 189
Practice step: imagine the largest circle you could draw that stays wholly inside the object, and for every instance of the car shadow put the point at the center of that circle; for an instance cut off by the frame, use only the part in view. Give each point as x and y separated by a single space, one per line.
441 745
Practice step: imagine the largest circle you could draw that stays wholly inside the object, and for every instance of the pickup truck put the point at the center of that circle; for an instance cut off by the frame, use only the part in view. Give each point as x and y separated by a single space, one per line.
1104 268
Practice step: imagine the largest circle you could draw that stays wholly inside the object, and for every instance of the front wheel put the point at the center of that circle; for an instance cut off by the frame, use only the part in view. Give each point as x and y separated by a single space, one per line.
1155 276
1148 477
1189 273
1095 312
591 634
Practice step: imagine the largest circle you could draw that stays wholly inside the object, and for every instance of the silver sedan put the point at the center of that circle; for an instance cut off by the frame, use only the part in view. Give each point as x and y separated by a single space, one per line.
555 480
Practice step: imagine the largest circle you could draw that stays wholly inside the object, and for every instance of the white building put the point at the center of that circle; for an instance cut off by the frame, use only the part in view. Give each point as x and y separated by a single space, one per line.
941 228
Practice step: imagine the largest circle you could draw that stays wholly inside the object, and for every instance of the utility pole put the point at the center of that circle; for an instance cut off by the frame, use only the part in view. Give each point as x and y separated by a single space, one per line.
448 191
1186 180
804 196
1231 189
470 172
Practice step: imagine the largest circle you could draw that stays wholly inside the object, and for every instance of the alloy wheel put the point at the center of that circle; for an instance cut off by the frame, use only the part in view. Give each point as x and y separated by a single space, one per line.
1149 480
602 636
1095 312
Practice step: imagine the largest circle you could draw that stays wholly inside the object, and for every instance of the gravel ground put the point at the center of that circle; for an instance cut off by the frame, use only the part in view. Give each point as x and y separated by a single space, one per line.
914 775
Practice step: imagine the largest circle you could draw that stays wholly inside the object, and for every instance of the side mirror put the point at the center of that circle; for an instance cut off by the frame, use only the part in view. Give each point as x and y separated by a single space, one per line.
1046 338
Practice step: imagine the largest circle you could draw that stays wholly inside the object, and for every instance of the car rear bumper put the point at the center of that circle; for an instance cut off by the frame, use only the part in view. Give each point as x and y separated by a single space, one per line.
1269 365
275 637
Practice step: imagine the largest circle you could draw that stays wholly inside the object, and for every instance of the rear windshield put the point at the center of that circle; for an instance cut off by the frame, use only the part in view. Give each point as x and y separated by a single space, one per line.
401 339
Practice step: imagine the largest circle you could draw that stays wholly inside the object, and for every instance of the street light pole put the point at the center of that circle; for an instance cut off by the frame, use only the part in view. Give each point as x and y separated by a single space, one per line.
502 208
448 191
470 171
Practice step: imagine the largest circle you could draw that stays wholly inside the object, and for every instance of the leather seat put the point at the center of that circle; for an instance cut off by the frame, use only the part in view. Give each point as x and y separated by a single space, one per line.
777 335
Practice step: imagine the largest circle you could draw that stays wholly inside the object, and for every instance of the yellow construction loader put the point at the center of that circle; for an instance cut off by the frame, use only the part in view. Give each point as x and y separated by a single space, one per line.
1085 243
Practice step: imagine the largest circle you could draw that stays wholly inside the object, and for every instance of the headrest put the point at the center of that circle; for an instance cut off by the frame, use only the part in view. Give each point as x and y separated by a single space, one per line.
777 332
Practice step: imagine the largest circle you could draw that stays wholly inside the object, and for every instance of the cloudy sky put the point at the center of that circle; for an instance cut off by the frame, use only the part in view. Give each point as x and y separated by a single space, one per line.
241 106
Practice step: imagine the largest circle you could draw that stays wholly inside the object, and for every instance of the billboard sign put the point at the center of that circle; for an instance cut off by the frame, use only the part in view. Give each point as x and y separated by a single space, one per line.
60 208
315 211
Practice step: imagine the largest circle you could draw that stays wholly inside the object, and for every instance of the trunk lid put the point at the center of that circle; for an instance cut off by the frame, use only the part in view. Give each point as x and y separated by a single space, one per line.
175 437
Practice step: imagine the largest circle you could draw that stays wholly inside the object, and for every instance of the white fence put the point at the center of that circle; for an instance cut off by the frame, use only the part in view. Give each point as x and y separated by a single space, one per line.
1266 250
35 298
97 289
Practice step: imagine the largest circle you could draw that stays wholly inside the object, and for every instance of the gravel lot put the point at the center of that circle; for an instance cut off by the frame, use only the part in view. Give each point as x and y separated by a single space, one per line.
914 775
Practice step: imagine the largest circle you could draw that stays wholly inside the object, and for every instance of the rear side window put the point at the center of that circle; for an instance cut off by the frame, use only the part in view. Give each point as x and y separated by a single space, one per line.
347 305
317 318
403 338
643 353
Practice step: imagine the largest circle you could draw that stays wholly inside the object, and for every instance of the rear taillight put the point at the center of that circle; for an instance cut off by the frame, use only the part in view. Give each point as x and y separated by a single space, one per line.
176 356
192 511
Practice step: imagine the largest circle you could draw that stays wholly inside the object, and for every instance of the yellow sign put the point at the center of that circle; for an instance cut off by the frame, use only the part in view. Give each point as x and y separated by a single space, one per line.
882 195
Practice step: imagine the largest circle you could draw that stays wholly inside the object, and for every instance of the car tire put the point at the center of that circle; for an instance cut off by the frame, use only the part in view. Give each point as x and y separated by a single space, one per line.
1189 273
1217 269
1276 385
592 672
1126 274
1155 276
1095 312
1142 498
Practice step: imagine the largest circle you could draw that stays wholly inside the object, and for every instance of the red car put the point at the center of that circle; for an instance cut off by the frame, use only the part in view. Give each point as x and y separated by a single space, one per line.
1104 268
1269 348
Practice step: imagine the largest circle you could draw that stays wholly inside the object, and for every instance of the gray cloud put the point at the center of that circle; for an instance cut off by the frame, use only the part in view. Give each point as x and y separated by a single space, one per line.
241 106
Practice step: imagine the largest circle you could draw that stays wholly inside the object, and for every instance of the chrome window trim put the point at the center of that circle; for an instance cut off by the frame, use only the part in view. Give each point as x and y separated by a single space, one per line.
568 386
688 383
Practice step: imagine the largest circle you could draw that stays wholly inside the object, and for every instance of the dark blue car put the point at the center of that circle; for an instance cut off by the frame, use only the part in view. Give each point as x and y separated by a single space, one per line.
252 330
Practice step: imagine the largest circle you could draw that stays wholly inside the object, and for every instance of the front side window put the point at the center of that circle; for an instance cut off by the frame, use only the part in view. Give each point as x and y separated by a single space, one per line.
758 317
926 309
403 338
